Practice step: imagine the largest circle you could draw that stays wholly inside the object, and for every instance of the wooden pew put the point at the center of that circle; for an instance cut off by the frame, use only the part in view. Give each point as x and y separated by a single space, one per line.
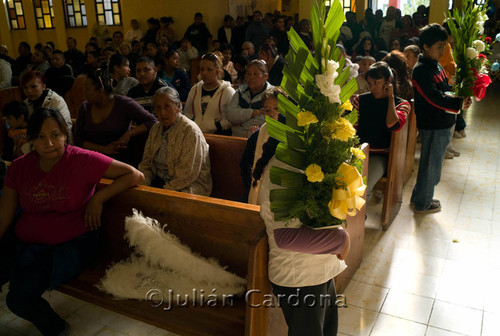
229 231
75 96
411 144
195 70
393 183
6 96
225 156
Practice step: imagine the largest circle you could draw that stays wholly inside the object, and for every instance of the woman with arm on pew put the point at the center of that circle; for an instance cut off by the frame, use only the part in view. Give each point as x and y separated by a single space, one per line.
381 112
302 261
176 153
104 122
61 212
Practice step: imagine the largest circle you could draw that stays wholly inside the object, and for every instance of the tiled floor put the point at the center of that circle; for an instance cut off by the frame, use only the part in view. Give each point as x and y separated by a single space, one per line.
434 275
438 274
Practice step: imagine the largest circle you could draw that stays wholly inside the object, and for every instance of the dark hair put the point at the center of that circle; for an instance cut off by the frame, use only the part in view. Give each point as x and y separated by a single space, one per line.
116 60
414 49
214 58
57 51
257 12
240 59
227 18
361 51
38 46
30 75
72 38
94 53
198 14
16 109
94 45
380 55
134 42
3 171
117 33
101 78
260 64
151 20
431 34
226 46
109 49
380 70
397 61
51 44
268 151
395 39
266 47
37 119
167 19
25 44
146 59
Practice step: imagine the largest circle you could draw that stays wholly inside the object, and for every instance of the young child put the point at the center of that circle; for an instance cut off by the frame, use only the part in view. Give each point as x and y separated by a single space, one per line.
364 65
59 76
15 114
436 113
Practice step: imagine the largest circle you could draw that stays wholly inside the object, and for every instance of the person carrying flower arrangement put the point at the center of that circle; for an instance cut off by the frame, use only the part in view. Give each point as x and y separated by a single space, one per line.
436 113
381 112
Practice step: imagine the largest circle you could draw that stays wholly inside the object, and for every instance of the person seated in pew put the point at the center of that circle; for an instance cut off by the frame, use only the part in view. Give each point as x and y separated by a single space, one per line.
61 213
38 95
381 112
119 67
174 75
275 63
143 92
302 261
245 109
60 75
254 149
104 122
208 100
15 114
176 154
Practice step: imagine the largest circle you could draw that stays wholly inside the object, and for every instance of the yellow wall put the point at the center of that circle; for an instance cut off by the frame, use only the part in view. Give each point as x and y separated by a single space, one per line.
182 12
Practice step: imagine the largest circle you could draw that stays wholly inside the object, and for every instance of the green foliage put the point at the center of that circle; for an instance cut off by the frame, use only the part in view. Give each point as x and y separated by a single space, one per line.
301 146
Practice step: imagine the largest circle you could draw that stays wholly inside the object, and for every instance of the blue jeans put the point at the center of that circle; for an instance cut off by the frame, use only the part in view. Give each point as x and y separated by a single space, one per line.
434 143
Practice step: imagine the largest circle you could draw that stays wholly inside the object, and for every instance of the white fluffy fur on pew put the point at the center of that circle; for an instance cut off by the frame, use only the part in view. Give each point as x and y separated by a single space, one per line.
163 263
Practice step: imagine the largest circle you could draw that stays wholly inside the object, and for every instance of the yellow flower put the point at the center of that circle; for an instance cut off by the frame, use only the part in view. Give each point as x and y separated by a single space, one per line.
341 129
314 173
306 118
347 106
358 153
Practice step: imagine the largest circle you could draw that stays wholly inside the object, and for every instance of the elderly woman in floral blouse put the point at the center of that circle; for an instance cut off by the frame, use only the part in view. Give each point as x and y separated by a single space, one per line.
176 153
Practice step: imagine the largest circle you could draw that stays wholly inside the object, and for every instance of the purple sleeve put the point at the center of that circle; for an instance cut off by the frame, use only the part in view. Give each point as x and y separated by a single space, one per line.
307 240
137 113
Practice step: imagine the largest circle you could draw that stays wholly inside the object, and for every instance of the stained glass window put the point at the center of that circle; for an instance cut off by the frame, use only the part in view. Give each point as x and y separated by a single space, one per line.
75 13
16 14
108 12
44 14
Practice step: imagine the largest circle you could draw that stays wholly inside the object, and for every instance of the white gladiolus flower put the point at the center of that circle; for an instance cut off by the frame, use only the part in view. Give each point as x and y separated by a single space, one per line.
478 45
479 26
471 53
484 17
326 81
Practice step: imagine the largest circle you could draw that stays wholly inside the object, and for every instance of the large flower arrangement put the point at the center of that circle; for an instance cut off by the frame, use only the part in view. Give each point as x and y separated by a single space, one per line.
317 138
471 49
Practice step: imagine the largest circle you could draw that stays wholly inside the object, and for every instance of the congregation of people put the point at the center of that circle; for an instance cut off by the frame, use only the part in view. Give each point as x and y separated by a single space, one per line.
142 109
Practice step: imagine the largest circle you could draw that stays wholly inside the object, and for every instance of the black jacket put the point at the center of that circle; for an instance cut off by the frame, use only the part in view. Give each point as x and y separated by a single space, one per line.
433 108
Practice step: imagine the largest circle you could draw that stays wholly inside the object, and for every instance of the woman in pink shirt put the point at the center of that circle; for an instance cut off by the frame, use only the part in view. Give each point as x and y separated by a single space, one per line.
56 232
